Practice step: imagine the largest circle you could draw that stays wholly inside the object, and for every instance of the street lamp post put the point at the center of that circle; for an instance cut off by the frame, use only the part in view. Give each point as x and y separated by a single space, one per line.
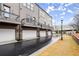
61 29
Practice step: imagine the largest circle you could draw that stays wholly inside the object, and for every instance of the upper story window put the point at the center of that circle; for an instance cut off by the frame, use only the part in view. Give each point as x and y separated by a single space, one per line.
42 13
28 5
6 11
29 19
24 4
32 6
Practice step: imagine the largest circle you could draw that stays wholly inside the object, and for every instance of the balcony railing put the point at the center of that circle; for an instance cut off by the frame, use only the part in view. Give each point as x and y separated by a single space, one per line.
33 23
44 26
8 16
27 22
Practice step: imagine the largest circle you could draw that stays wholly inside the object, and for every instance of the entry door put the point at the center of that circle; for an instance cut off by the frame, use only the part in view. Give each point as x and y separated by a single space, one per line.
6 10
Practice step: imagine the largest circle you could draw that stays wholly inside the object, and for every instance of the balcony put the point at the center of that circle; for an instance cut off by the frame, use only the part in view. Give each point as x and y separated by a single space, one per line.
29 23
7 17
49 27
32 23
44 26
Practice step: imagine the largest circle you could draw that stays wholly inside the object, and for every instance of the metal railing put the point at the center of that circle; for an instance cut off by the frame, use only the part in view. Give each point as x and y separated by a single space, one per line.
14 17
34 23
45 26
8 16
27 22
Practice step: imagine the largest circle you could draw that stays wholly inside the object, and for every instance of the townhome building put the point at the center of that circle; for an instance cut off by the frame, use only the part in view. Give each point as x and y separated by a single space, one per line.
24 21
9 19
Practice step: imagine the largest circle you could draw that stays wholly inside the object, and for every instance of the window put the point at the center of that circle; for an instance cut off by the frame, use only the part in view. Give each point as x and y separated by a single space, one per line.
32 6
24 4
28 5
29 19
42 13
6 11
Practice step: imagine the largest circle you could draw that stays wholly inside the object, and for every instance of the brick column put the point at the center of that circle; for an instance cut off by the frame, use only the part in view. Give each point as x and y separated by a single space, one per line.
51 34
46 33
18 33
38 35
38 32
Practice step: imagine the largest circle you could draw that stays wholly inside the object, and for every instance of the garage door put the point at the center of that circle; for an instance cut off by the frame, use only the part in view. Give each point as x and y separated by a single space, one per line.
42 33
29 34
49 33
7 35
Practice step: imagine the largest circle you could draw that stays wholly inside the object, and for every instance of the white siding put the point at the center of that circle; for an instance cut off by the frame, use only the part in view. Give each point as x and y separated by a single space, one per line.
42 33
7 35
29 34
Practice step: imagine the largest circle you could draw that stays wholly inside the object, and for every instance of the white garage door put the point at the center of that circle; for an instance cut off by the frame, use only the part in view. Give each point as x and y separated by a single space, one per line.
29 34
7 35
42 33
49 32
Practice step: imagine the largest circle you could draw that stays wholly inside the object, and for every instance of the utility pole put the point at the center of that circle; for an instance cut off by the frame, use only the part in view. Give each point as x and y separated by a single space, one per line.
61 29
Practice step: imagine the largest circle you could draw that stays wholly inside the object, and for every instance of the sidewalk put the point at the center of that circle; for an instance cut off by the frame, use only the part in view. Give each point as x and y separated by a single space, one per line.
54 40
65 47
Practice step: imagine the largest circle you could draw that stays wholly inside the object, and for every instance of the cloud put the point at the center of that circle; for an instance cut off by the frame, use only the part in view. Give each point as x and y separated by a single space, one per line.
77 11
70 11
68 4
63 13
53 8
56 15
70 20
61 17
50 8
62 8
53 21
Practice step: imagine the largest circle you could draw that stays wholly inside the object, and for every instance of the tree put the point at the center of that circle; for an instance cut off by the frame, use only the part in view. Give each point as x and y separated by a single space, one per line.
75 24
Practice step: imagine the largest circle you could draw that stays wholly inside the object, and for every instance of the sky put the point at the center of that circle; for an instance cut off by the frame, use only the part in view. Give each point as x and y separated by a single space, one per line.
58 11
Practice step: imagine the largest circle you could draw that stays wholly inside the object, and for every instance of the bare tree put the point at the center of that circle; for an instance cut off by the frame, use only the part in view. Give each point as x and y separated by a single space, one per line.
75 24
